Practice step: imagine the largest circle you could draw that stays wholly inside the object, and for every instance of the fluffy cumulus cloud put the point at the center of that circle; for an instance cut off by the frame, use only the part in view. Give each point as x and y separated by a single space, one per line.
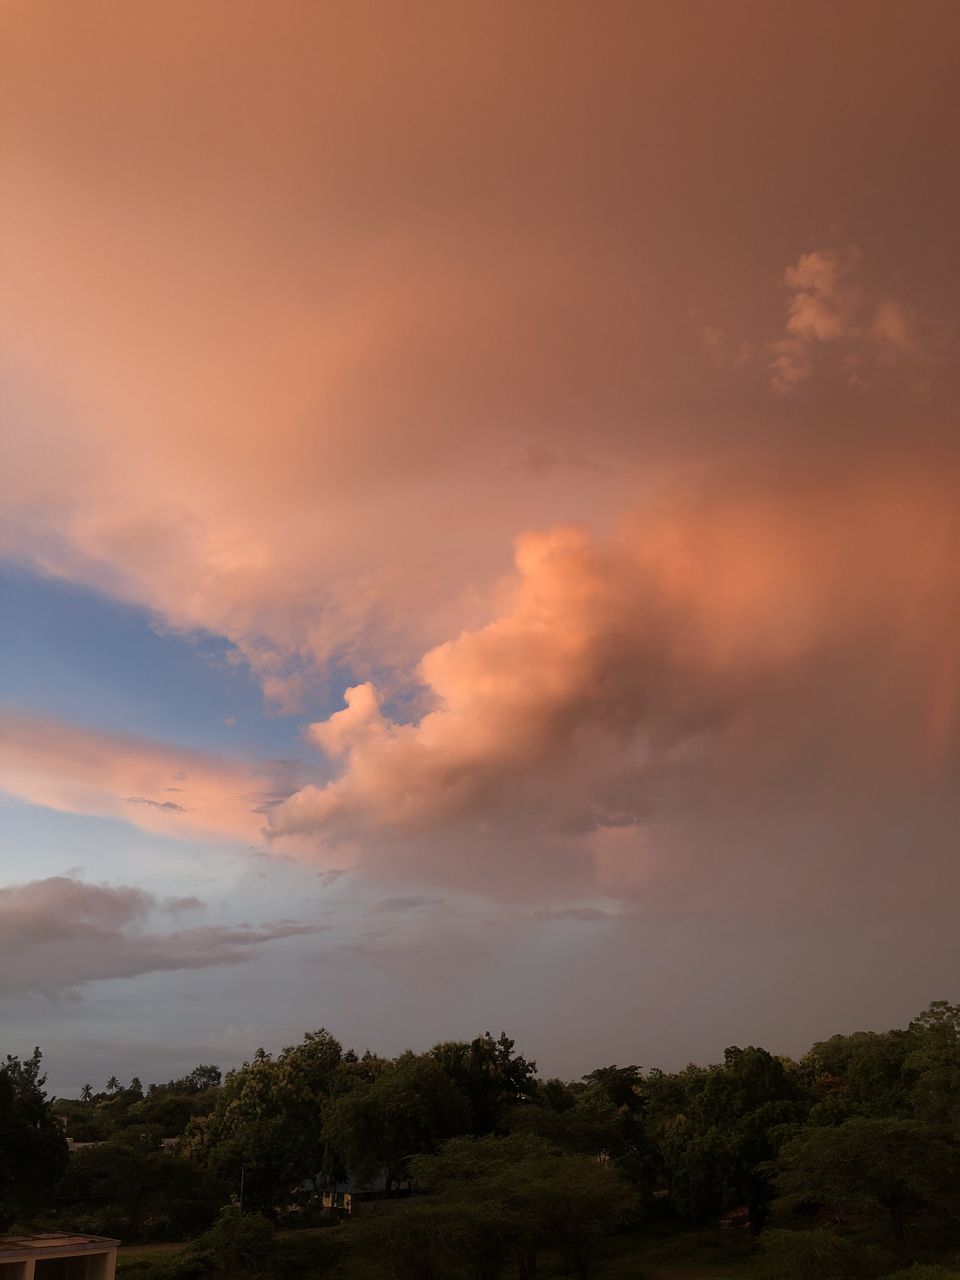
59 934
705 643
161 788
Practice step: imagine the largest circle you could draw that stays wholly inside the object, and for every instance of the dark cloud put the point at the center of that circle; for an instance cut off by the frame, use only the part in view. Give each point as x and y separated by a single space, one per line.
58 934
166 805
412 902
589 915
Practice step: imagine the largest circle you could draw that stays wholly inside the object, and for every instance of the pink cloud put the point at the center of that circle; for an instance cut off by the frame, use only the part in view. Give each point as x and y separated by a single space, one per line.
707 643
834 306
161 788
307 405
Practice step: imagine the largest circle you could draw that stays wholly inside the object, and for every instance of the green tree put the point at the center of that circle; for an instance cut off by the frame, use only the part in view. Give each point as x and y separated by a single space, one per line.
816 1255
33 1148
934 1064
532 1196
407 1109
239 1246
86 1093
864 1074
266 1124
886 1169
492 1077
717 1149
129 1187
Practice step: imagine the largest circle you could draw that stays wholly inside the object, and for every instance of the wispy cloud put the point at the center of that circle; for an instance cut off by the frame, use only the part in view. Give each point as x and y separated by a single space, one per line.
58 934
587 915
82 770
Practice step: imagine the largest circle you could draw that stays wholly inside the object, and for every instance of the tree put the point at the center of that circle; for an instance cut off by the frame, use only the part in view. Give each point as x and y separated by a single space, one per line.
864 1074
86 1093
113 1084
267 1121
531 1195
621 1086
33 1148
814 1255
407 1109
934 1064
889 1169
492 1077
717 1149
129 1187
239 1246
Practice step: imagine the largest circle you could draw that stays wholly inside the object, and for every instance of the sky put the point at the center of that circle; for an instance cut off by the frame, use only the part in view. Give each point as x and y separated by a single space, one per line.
481 510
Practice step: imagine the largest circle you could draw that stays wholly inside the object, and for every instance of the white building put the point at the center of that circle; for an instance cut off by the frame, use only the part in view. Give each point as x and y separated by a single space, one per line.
57 1255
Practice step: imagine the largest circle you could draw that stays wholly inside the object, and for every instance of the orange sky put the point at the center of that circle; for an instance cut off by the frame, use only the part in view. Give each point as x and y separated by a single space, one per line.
573 384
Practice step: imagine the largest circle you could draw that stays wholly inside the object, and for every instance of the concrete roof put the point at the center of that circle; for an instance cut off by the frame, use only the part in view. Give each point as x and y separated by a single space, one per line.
52 1244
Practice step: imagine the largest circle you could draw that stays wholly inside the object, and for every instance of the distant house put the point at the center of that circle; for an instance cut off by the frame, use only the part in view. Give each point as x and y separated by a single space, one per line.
347 1198
57 1255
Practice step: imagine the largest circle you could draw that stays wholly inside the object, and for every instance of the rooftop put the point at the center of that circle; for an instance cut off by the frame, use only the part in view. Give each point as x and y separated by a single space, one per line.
53 1243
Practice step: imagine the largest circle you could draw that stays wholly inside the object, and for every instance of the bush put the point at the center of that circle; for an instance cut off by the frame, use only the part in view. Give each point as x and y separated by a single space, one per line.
310 1257
927 1273
239 1246
816 1255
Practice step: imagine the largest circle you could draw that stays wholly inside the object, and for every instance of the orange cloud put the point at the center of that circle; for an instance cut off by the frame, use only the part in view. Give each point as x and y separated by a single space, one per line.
294 360
833 304
707 627
160 788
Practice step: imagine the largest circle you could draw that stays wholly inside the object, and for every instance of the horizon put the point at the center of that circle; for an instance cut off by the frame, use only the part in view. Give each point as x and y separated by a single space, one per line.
55 1091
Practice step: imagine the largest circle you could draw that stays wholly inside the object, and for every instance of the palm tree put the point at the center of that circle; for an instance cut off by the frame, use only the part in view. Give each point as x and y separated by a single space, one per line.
113 1084
86 1093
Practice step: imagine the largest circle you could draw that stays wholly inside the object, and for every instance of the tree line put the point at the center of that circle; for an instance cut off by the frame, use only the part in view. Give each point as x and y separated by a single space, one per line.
851 1153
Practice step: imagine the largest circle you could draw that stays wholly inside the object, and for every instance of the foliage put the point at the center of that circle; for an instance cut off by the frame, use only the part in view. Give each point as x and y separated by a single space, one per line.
407 1109
239 1246
717 1150
816 1255
98 1117
133 1190
33 1149
623 1170
927 1273
934 1064
891 1169
491 1076
265 1128
522 1194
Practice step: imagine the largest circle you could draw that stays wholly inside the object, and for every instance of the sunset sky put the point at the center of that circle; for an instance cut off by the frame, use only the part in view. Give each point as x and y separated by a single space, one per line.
481 526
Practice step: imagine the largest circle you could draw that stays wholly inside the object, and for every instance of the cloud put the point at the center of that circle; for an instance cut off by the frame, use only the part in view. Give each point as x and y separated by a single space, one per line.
59 934
81 770
833 308
408 902
713 641
587 915
167 806
293 413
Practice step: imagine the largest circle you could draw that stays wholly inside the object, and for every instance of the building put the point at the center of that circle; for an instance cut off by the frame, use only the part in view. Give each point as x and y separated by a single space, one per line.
57 1255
